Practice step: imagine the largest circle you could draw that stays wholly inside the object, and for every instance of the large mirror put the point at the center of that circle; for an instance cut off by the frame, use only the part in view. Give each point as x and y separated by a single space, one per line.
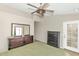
20 29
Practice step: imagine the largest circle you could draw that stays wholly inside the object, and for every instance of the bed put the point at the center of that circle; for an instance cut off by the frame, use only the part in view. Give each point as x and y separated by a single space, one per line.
35 49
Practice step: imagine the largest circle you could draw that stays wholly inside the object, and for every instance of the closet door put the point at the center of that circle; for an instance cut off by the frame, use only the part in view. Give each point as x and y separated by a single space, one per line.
71 34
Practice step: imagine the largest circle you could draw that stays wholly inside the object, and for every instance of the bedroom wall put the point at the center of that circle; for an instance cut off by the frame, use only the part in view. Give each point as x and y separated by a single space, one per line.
52 23
8 16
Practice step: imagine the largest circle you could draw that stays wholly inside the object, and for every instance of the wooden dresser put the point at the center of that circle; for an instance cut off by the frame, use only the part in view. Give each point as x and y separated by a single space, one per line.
15 42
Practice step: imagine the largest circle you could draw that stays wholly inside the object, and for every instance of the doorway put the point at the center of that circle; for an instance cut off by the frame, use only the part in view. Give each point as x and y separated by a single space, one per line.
71 35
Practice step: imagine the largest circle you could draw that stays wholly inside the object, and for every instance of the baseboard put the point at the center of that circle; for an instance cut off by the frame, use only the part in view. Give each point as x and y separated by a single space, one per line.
2 50
40 41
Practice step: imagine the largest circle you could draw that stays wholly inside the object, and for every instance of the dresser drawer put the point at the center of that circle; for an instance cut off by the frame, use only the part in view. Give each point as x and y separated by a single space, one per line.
15 42
19 41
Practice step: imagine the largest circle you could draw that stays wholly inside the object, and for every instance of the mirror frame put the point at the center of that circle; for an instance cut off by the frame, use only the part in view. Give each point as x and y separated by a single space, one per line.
18 24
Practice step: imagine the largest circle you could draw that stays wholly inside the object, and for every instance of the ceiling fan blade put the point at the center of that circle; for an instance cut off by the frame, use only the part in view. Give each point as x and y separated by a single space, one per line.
34 12
45 5
32 5
50 10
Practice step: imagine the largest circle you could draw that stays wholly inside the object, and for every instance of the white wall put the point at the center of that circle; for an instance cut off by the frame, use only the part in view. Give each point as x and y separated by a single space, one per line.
52 23
8 17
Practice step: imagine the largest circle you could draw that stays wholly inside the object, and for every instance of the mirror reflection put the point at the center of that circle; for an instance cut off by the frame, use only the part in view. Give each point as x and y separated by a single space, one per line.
20 29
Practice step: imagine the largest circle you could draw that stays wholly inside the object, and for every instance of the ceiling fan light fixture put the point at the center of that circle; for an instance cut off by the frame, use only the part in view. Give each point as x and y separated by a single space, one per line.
40 15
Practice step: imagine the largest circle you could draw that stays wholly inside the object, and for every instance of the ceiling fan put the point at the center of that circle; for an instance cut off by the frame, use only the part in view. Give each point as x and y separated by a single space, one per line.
41 10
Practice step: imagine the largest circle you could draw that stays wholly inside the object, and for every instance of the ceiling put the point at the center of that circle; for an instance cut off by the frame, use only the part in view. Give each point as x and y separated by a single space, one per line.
59 8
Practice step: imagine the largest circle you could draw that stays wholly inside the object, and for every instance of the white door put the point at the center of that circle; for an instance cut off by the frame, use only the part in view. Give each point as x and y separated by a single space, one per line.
71 35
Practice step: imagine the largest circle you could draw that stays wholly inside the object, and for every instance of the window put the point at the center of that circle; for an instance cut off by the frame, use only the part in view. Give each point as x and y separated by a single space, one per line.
20 29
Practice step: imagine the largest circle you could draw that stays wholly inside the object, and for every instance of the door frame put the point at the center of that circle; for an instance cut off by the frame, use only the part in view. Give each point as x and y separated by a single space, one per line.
65 36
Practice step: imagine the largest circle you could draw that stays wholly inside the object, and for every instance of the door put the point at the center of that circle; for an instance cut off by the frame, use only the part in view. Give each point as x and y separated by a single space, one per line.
71 35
